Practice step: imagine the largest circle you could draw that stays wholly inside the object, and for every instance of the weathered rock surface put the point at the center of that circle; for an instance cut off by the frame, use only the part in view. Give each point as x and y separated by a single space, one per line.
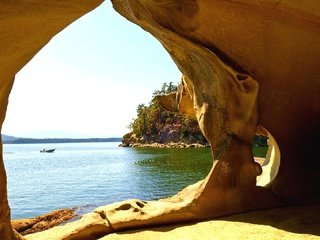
240 61
300 222
43 222
166 137
285 223
91 226
248 66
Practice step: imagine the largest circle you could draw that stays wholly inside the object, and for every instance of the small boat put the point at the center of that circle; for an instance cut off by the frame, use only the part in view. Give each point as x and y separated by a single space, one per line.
47 150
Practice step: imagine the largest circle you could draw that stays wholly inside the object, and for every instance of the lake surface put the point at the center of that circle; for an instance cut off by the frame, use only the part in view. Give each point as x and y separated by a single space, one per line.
88 175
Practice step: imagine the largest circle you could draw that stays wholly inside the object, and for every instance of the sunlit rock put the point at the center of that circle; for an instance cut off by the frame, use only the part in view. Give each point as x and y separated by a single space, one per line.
90 226
273 224
247 65
180 101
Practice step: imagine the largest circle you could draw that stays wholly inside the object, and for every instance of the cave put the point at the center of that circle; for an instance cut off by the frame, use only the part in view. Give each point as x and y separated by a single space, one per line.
247 66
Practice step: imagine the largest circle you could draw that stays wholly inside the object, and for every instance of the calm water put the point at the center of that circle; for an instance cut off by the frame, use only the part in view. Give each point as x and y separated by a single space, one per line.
87 175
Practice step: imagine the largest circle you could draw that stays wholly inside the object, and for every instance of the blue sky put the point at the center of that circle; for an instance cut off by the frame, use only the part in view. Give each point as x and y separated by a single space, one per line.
88 81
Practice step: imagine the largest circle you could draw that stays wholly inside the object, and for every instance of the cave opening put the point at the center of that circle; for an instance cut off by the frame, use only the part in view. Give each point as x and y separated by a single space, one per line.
287 188
271 163
72 82
86 82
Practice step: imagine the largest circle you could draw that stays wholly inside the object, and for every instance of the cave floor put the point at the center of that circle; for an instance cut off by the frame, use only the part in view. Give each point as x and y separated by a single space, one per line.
299 222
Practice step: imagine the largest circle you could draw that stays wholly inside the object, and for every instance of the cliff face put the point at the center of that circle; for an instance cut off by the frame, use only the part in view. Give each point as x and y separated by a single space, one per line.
249 66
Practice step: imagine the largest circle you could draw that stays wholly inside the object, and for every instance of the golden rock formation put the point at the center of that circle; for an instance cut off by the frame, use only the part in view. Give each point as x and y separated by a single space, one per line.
248 66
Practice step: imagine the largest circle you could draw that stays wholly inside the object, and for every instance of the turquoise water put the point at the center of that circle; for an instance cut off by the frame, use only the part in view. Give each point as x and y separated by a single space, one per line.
87 175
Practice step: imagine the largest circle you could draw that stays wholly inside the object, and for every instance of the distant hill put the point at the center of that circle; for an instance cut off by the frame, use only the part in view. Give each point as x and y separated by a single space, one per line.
16 140
6 138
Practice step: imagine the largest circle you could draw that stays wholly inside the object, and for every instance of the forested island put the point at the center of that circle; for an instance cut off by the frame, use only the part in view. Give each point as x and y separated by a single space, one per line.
157 127
17 140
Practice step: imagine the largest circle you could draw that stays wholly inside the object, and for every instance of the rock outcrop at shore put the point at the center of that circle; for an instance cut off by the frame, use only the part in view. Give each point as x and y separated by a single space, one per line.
249 66
170 137
168 145
43 222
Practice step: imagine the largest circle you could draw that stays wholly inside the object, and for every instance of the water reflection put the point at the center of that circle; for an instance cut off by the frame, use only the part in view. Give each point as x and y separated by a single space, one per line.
170 170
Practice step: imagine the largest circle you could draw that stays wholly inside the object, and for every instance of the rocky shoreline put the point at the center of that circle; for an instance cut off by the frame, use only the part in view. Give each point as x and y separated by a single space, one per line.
43 222
164 145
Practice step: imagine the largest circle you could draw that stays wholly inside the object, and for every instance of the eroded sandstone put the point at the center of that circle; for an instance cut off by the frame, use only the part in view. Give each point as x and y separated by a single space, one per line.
243 62
290 223
90 226
248 66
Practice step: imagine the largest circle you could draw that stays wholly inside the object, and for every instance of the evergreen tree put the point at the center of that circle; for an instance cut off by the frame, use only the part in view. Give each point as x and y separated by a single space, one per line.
152 119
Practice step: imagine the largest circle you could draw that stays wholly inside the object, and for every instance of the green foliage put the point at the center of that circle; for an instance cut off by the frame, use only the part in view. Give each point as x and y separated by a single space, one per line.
152 119
165 89
260 151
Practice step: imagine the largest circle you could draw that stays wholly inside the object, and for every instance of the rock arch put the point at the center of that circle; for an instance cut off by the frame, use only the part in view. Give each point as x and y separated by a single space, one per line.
246 64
